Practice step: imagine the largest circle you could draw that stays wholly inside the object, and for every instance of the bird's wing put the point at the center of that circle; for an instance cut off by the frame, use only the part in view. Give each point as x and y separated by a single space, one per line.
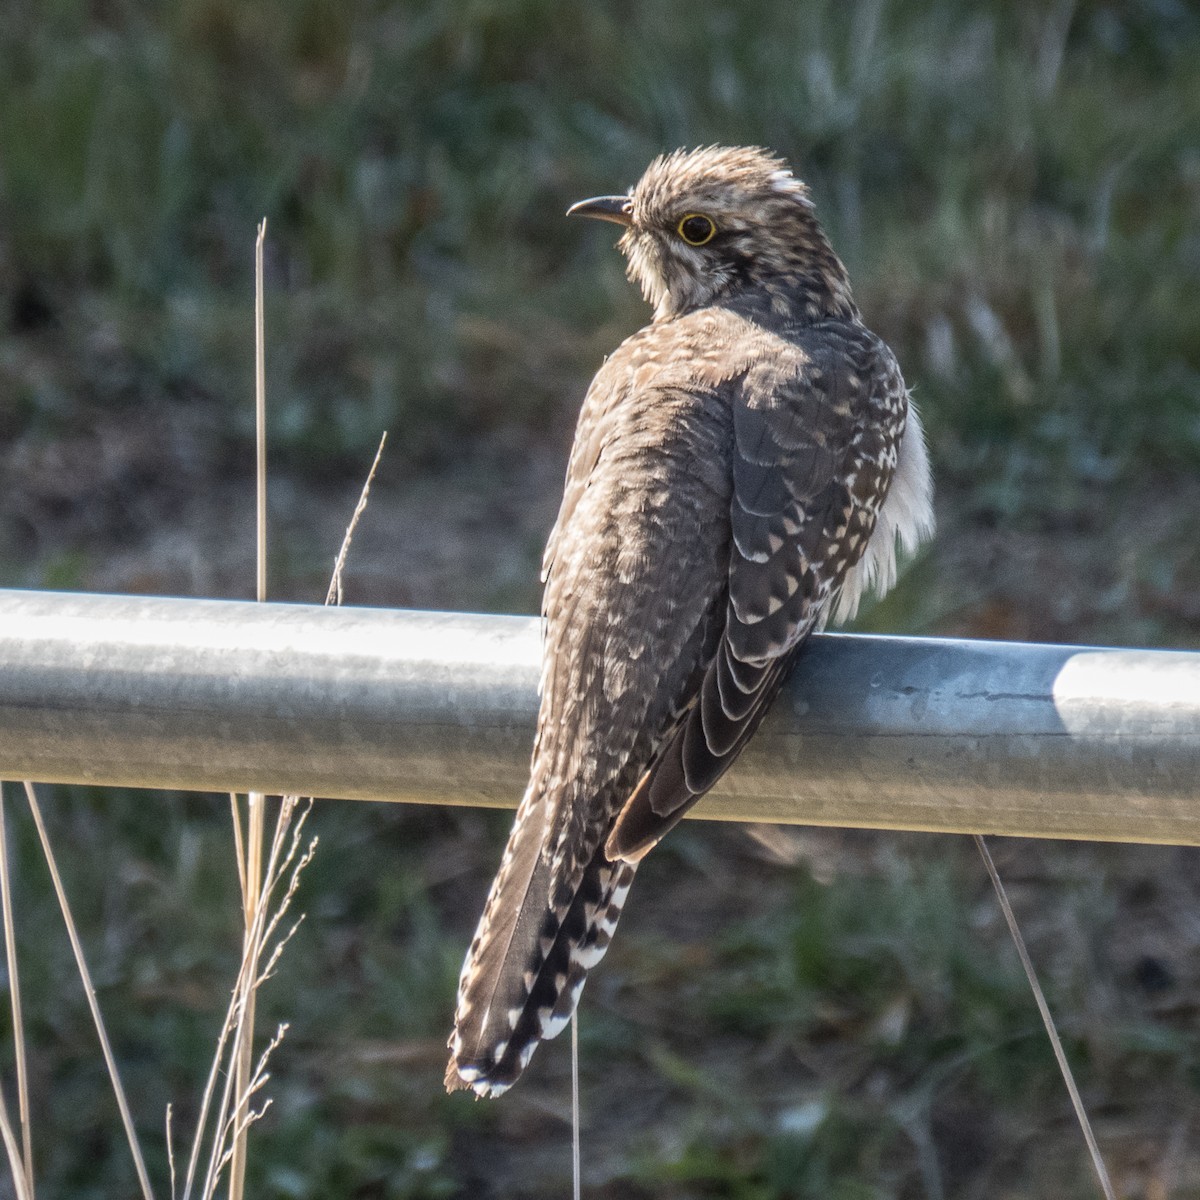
706 522
634 595
815 434
633 601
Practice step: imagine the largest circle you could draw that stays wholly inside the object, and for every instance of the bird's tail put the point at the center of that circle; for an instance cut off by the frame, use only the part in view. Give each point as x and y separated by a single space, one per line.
529 959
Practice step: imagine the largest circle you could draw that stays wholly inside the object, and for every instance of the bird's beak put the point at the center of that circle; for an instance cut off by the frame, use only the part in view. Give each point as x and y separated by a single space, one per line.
618 209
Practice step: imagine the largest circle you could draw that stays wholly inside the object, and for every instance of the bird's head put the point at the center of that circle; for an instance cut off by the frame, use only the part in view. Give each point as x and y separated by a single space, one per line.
702 226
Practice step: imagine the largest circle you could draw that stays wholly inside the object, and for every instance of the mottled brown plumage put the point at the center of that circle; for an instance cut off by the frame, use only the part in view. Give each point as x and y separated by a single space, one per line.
743 468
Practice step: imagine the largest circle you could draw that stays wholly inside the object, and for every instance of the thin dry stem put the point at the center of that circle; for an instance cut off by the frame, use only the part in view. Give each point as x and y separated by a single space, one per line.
230 1126
1047 1020
239 845
90 990
260 417
334 595
294 882
279 861
282 855
260 931
243 1114
251 1115
256 802
170 1148
234 1024
14 994
576 1158
209 1089
219 1153
20 1182
276 951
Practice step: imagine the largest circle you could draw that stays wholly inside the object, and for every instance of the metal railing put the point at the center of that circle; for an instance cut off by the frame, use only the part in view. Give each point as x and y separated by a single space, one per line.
375 704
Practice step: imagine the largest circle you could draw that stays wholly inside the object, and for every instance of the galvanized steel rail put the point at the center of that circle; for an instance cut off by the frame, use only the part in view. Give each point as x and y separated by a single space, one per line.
374 704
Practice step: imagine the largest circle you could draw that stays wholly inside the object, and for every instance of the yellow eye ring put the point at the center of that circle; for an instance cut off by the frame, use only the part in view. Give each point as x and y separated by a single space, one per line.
696 229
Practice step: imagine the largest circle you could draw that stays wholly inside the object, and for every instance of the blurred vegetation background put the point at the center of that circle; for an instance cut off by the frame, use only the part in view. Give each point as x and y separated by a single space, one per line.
1016 192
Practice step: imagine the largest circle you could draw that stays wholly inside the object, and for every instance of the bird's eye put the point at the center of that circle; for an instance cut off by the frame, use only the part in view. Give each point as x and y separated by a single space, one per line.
696 229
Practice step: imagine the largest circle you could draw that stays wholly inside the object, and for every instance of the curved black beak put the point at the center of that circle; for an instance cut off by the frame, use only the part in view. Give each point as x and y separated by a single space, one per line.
618 209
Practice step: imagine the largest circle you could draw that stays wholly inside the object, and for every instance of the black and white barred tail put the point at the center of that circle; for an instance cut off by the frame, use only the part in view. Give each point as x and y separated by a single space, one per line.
529 960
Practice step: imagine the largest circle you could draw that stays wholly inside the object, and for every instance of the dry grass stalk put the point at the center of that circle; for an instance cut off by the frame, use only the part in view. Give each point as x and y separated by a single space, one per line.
21 1181
170 1147
1039 996
233 1056
576 1162
89 988
239 845
233 1115
243 1116
253 893
14 995
251 874
260 418
334 594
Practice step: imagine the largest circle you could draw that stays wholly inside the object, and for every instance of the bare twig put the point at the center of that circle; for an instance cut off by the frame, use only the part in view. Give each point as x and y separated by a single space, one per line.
14 994
90 990
1047 1020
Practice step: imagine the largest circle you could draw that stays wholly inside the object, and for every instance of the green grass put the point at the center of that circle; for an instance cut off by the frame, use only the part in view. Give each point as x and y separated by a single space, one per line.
1018 208
809 1039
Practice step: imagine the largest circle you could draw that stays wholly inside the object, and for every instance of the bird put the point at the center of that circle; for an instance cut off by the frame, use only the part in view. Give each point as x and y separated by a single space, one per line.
745 468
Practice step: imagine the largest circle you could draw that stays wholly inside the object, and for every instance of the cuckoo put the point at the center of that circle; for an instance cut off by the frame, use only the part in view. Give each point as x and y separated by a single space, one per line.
745 468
